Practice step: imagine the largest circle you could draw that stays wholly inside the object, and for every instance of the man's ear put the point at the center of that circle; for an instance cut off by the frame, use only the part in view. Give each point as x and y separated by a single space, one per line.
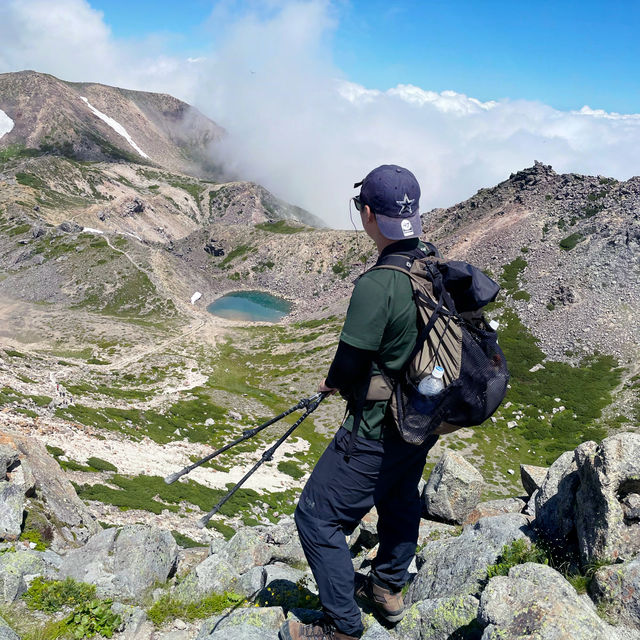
369 214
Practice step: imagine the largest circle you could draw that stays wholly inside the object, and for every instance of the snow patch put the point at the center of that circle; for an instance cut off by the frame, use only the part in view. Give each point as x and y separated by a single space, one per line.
195 297
115 125
90 230
6 123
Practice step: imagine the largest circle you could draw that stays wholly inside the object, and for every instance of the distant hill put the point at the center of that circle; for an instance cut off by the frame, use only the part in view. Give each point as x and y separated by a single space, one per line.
95 122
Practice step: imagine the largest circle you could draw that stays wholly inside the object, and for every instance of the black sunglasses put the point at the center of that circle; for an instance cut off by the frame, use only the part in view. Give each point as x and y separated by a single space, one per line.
358 203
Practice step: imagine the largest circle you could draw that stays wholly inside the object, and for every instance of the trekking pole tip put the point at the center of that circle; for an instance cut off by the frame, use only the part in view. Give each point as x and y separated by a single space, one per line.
170 479
202 523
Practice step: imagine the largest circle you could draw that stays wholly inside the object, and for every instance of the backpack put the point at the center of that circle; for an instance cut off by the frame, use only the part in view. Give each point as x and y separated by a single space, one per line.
452 333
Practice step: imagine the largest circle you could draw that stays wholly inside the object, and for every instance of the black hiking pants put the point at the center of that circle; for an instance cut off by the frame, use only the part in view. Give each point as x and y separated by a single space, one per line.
339 494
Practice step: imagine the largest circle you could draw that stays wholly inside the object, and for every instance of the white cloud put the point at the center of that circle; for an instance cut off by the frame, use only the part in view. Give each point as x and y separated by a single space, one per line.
298 126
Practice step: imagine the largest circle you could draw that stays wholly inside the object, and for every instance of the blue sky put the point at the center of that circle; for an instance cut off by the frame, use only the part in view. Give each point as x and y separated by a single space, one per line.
565 54
315 93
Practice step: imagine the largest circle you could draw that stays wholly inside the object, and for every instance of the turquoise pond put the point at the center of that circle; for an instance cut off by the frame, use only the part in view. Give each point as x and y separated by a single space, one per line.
253 306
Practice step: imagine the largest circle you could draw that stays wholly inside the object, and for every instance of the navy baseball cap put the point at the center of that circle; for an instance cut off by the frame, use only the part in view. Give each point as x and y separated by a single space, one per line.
393 194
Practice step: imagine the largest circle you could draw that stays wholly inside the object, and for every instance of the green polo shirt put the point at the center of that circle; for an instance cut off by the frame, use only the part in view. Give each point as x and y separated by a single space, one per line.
381 317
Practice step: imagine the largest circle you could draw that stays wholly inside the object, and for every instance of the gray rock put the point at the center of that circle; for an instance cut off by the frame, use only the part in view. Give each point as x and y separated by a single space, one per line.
13 569
6 632
532 477
609 475
254 623
458 566
284 542
38 231
555 500
535 601
11 510
71 520
8 457
246 550
431 530
69 226
189 558
368 534
123 562
495 508
133 618
214 575
252 582
617 587
283 586
440 619
453 489
376 631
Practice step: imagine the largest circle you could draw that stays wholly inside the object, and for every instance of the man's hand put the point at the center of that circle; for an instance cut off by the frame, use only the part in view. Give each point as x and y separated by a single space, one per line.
322 388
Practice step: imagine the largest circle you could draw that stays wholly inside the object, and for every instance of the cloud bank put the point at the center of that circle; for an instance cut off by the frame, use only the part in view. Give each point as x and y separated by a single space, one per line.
298 126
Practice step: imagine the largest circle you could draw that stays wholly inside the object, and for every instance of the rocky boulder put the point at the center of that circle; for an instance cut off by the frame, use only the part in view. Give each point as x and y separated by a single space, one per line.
123 562
495 508
214 575
535 601
532 477
70 519
255 623
555 500
440 619
11 510
607 517
458 566
6 632
284 543
69 226
16 567
453 489
617 587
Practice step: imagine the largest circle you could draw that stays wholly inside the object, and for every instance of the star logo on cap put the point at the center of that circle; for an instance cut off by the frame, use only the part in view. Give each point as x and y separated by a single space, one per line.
405 204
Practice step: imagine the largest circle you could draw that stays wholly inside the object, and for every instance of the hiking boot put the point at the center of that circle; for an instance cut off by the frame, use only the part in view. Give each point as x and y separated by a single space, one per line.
323 629
389 604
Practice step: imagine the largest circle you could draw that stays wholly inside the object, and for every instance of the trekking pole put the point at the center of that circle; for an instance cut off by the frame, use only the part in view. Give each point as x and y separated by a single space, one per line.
247 433
312 405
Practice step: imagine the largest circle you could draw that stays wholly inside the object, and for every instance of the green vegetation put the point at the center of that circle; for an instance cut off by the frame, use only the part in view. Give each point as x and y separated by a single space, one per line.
522 295
240 250
511 274
341 269
571 241
192 188
518 552
101 465
52 595
226 531
14 151
281 226
30 180
91 618
169 608
34 537
291 469
185 541
186 415
584 391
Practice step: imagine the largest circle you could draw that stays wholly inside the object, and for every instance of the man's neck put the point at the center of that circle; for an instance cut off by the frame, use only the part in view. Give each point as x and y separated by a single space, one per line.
402 245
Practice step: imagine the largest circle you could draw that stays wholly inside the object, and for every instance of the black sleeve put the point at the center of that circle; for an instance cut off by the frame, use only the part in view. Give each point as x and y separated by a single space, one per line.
350 367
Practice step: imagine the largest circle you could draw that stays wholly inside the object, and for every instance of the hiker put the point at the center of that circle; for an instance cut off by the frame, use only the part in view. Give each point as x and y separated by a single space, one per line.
375 467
